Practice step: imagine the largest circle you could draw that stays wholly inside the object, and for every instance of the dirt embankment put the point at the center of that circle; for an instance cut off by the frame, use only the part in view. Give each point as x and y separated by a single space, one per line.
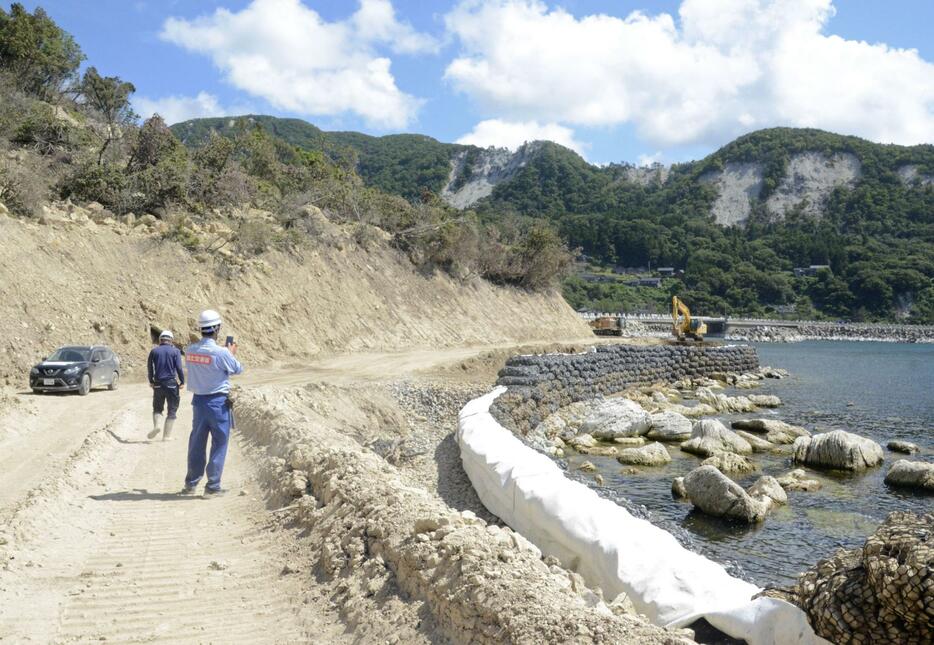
381 530
83 283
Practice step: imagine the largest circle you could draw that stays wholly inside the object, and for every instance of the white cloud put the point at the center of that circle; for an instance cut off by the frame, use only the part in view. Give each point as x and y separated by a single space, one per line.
285 53
648 160
731 66
175 109
512 134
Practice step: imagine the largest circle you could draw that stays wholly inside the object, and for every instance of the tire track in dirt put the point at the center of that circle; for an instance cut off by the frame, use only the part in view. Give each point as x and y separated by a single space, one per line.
159 567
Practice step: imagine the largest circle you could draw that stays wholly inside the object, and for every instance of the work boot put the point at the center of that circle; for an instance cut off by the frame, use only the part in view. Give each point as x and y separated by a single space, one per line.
156 425
167 432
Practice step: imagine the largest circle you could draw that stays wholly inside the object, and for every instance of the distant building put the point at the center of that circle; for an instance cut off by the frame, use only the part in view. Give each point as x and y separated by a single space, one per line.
595 277
645 282
665 272
810 270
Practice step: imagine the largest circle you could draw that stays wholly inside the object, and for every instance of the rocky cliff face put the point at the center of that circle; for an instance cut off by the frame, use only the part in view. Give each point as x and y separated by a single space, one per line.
474 175
809 179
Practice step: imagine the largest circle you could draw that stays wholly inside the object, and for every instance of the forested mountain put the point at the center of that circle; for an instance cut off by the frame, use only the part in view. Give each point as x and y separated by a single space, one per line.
737 222
402 164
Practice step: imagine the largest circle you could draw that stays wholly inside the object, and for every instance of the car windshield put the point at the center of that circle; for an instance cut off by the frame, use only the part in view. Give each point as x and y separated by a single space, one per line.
71 355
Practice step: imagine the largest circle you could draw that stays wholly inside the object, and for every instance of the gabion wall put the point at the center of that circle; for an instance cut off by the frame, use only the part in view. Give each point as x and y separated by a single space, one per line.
541 384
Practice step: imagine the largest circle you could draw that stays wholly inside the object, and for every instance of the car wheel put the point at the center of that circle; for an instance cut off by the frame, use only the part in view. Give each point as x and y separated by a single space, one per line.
36 391
85 386
113 381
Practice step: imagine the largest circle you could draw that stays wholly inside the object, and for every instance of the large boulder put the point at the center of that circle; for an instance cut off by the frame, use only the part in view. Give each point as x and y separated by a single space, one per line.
730 462
777 432
878 593
768 486
654 454
669 426
709 437
838 449
911 474
617 418
716 494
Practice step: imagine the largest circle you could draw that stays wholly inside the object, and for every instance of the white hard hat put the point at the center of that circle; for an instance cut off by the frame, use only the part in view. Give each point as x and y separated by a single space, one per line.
209 319
166 334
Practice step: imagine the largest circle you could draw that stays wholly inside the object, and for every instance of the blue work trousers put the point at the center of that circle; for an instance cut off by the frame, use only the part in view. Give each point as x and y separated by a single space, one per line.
211 417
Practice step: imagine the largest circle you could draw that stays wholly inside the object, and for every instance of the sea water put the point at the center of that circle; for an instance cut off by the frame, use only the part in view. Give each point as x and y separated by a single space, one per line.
882 391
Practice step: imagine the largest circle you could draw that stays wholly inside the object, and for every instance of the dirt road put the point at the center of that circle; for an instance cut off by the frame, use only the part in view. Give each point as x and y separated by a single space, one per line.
99 546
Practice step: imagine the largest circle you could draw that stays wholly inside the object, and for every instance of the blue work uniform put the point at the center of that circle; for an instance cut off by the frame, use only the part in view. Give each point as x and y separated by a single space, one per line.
165 374
209 369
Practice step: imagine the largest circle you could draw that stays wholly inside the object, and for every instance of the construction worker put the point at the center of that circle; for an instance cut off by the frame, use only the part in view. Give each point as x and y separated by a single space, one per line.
166 378
209 369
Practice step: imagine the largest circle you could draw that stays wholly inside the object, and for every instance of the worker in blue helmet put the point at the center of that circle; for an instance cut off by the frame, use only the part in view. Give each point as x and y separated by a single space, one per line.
210 367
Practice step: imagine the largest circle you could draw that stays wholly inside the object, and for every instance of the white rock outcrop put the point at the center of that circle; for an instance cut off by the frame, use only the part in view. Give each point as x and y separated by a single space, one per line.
738 188
809 179
710 437
838 449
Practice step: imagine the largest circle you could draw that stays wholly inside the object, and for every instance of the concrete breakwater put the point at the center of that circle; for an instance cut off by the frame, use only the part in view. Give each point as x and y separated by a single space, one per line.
539 385
833 331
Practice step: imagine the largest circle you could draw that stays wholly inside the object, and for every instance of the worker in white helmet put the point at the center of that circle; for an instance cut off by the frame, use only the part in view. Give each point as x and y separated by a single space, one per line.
209 369
166 378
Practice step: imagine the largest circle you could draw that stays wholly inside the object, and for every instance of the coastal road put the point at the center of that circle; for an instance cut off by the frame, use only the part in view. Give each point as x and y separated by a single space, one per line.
97 545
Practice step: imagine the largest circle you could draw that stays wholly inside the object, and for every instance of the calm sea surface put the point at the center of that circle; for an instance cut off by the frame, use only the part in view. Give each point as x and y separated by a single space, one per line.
880 390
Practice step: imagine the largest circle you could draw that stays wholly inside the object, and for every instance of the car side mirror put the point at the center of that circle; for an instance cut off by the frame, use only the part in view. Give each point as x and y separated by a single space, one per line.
96 359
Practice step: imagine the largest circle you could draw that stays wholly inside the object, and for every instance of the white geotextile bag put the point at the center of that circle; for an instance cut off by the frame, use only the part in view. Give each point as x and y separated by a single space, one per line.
608 546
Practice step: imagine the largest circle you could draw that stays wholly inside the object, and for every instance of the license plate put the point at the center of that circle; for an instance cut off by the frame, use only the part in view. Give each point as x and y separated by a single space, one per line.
48 381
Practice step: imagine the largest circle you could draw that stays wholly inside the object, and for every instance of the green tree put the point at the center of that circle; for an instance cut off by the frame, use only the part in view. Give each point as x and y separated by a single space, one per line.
109 97
40 56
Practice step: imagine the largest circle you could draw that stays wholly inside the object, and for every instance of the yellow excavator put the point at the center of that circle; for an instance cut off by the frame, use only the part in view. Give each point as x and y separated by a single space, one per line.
684 326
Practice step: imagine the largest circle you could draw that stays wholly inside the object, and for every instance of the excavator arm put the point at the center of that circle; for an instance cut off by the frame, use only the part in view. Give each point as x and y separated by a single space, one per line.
683 326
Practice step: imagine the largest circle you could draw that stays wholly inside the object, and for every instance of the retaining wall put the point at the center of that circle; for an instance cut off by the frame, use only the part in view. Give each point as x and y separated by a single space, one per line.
538 385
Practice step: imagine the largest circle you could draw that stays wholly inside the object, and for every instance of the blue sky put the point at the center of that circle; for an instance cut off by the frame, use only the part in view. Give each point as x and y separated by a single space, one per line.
671 84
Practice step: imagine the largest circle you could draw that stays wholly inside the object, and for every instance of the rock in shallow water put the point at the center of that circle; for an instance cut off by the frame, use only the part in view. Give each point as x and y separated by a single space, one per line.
617 418
911 474
678 491
765 400
776 432
798 480
716 494
758 443
768 486
709 437
838 449
903 446
728 462
654 454
669 426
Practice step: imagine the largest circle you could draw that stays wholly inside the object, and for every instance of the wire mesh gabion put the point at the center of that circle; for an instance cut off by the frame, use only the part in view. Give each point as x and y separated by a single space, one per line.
882 592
